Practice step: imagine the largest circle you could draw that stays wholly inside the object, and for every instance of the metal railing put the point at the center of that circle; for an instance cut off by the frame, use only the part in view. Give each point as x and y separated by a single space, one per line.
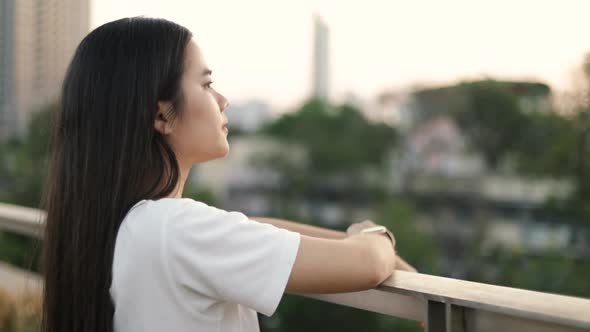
444 304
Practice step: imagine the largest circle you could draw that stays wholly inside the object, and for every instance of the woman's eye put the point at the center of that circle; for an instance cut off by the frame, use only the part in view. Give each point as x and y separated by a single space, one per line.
208 85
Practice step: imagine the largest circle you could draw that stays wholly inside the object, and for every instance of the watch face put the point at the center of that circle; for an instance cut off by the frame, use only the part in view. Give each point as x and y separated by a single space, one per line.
375 229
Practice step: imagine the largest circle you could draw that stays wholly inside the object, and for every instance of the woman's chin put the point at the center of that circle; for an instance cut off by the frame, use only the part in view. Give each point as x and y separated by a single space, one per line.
223 151
226 152
219 153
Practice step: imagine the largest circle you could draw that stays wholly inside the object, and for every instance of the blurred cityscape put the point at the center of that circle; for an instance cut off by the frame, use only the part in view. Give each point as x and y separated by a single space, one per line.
483 179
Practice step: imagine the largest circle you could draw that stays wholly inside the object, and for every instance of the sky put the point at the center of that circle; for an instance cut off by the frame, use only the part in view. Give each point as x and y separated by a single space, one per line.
261 49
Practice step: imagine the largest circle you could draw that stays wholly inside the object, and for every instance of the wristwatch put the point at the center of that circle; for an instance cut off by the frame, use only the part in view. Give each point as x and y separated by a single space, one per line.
378 230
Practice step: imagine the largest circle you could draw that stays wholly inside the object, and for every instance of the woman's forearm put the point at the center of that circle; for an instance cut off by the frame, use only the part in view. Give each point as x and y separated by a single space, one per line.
301 228
326 233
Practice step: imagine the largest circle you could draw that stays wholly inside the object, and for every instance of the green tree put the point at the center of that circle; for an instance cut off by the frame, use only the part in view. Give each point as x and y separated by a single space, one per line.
203 195
550 272
24 161
547 146
337 139
491 119
556 145
487 112
341 148
23 168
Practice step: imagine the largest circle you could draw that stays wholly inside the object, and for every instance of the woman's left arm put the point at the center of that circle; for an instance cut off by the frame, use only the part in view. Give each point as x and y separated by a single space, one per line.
301 228
326 233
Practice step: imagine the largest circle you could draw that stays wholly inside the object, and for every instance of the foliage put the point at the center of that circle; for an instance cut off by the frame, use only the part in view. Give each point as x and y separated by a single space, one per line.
337 139
201 195
23 163
560 274
547 146
487 112
23 167
491 119
20 312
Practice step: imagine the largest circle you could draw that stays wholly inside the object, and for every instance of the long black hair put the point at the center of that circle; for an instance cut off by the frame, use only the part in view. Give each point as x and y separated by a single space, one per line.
105 157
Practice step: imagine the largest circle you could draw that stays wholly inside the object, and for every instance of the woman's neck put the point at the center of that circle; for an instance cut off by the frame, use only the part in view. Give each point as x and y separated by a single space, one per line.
184 170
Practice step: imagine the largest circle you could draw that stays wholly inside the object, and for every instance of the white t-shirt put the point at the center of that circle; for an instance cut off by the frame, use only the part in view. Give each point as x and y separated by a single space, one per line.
181 265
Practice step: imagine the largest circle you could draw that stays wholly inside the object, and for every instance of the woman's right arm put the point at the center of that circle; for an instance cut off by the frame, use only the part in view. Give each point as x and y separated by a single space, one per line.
356 263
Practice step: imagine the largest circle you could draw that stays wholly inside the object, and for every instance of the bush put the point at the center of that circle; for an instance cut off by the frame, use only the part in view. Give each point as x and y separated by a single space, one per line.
20 313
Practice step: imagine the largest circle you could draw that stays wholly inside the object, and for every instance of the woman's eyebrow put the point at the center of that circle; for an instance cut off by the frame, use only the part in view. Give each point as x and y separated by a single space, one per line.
207 71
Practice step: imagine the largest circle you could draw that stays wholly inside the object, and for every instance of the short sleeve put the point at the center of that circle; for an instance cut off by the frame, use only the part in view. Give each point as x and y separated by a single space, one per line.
228 257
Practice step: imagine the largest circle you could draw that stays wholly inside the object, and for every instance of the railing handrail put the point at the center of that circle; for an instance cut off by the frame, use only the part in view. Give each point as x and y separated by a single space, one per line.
561 309
22 220
405 294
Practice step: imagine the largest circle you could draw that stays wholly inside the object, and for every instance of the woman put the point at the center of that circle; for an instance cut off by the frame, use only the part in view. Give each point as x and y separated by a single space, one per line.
123 250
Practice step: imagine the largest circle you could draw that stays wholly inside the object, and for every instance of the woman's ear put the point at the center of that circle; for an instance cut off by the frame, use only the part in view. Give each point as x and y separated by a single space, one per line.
163 123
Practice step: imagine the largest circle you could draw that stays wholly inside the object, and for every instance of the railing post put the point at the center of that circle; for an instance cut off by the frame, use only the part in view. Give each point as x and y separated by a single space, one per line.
455 318
445 317
436 317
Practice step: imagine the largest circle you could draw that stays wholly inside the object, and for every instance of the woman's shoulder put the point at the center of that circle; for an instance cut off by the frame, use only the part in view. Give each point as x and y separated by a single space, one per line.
167 203
167 208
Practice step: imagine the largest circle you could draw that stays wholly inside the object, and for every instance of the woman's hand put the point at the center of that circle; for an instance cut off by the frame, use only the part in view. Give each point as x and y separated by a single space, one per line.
356 228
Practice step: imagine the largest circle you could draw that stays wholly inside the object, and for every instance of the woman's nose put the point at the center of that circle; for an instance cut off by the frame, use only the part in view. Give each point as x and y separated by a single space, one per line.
223 102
